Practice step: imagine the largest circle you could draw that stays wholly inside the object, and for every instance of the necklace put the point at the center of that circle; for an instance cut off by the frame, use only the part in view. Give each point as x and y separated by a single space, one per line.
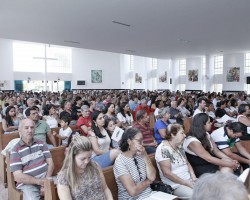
178 153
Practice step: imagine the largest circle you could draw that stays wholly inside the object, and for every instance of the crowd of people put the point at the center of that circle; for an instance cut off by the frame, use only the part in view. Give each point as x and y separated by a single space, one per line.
121 128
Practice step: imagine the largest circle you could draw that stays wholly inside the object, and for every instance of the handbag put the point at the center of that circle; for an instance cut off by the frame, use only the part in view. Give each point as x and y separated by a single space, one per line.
162 187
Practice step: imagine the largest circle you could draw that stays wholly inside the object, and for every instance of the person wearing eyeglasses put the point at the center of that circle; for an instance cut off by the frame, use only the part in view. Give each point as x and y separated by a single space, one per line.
133 169
174 169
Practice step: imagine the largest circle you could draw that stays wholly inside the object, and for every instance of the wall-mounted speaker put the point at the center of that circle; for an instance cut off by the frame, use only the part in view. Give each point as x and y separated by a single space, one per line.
248 80
80 82
170 81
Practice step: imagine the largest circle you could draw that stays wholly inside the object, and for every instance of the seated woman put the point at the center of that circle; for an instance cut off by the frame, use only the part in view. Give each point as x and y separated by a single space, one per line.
202 152
84 122
125 116
100 141
110 113
174 169
50 115
81 178
10 123
110 128
133 169
161 124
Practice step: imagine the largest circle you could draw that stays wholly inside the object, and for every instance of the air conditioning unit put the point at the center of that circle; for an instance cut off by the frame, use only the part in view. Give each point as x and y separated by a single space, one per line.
80 83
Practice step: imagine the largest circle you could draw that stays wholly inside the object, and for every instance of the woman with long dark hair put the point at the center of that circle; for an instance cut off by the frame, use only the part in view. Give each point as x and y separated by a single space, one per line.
202 152
11 122
125 116
100 141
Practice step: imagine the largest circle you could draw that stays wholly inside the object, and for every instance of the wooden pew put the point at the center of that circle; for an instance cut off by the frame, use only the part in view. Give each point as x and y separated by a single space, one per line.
13 193
57 154
51 192
1 128
4 140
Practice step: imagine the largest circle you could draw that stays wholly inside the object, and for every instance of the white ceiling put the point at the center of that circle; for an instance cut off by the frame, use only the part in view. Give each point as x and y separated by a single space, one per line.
158 28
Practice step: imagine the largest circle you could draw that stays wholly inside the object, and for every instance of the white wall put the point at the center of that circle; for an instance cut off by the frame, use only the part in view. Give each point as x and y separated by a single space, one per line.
6 64
83 60
194 64
234 60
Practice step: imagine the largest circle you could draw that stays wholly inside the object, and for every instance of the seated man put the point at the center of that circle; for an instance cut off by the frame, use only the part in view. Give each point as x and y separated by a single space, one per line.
227 137
30 162
41 127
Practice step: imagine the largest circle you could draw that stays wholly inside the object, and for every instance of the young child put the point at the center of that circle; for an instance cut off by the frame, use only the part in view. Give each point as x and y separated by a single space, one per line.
65 131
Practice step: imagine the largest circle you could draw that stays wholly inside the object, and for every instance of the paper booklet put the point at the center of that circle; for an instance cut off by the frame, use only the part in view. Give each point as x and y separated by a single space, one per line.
117 134
161 196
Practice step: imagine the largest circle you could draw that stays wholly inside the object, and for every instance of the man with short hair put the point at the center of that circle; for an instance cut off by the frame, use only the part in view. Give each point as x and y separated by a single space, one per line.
30 104
30 162
227 137
201 102
142 124
41 127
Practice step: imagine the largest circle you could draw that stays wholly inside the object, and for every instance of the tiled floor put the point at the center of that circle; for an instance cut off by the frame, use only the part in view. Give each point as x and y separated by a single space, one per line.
3 192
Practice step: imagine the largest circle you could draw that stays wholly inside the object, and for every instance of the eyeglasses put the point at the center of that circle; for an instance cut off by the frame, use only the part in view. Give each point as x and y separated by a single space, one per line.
138 168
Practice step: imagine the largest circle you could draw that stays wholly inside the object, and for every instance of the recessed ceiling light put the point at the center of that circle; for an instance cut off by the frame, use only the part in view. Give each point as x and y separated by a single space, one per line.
121 23
70 41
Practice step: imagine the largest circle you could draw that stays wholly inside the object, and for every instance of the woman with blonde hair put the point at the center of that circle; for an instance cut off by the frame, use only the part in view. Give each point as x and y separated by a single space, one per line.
80 177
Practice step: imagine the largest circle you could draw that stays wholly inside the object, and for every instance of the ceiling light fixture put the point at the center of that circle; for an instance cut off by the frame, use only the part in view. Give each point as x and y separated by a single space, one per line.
130 51
70 41
120 23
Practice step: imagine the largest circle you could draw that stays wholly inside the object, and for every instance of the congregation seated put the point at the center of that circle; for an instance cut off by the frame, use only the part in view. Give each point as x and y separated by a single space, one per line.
201 151
80 177
84 122
161 124
50 115
10 122
41 127
222 186
30 162
174 168
227 137
64 132
142 123
133 169
125 116
100 141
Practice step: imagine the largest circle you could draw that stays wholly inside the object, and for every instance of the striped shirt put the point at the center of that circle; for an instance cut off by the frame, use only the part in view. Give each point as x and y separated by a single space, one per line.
136 169
146 132
30 159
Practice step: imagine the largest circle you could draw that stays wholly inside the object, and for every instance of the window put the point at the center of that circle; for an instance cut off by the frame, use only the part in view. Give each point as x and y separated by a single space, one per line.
203 70
182 87
34 57
218 64
218 87
247 64
182 67
131 63
154 63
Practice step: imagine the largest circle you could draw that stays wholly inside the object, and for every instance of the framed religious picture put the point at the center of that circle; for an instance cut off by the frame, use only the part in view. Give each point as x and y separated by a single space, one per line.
233 74
163 77
96 76
193 75
138 78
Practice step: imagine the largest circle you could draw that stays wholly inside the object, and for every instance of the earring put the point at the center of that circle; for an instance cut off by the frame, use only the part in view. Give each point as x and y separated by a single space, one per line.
129 148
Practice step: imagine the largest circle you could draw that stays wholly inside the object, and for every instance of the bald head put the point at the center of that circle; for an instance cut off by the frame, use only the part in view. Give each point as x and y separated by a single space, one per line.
24 123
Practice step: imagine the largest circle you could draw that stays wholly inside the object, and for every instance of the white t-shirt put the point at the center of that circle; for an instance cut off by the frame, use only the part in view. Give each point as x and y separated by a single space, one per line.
197 111
128 119
103 143
65 133
221 139
190 139
51 121
178 161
